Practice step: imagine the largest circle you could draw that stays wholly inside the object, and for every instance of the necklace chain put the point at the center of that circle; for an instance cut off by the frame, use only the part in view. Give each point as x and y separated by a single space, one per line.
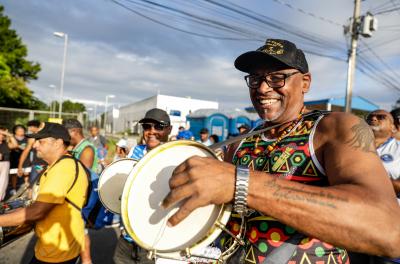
285 132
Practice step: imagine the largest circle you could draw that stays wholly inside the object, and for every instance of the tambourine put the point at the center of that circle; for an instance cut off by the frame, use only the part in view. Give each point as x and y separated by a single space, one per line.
112 181
146 221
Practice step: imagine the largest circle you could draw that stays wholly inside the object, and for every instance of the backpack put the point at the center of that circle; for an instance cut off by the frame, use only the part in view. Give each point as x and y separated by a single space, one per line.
93 212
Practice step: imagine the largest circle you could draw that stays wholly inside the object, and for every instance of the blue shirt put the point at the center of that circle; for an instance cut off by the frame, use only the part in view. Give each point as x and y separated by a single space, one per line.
136 153
185 134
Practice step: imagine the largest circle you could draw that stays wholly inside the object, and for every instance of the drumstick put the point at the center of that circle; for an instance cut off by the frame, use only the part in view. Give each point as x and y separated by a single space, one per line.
251 133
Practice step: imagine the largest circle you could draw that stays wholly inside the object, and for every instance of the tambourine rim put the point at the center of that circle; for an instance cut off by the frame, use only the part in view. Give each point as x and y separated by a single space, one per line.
100 177
224 210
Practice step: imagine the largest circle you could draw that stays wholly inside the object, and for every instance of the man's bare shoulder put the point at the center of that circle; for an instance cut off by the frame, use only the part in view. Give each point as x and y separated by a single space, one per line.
345 128
338 123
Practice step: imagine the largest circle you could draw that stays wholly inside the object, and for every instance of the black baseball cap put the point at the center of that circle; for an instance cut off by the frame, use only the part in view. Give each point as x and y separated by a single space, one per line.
51 130
157 115
204 131
277 52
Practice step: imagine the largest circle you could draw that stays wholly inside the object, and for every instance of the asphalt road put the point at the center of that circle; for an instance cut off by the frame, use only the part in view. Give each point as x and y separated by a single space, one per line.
103 244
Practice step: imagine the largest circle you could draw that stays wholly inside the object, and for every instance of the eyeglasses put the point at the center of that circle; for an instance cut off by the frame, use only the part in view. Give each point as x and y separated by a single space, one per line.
377 116
157 126
274 80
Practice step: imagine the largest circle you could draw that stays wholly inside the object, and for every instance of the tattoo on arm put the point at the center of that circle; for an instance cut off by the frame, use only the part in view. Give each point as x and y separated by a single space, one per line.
322 198
362 137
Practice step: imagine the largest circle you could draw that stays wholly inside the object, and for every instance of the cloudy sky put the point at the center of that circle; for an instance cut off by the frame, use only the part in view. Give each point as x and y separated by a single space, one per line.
136 48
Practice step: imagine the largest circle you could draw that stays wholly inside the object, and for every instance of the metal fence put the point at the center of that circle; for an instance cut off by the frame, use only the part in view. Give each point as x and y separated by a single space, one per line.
10 117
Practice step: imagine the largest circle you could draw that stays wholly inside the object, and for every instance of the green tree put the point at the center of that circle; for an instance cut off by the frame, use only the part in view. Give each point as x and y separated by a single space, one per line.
69 106
14 51
15 70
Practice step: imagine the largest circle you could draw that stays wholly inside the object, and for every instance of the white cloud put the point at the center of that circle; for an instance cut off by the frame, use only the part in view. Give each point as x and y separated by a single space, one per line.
114 51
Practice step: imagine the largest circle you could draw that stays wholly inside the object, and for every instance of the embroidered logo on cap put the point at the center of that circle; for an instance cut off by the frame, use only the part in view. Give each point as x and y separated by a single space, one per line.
273 47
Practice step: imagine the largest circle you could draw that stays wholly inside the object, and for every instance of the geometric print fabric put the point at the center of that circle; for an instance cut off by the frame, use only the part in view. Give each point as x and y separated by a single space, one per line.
291 160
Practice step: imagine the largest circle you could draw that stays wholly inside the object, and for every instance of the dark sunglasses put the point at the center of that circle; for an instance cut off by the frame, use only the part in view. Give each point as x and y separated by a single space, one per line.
157 126
377 116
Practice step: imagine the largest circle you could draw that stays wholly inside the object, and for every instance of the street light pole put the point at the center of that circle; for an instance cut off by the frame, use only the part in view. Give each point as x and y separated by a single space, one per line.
65 36
105 111
53 102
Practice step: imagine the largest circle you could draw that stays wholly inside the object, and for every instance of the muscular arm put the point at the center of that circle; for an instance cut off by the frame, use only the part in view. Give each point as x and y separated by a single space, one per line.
396 186
12 142
32 213
87 157
353 212
24 155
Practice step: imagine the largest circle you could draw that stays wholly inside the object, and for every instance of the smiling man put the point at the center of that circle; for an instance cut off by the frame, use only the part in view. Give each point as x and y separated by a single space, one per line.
156 126
388 148
308 188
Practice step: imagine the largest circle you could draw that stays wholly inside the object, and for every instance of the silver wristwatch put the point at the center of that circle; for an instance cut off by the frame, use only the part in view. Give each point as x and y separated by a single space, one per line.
241 189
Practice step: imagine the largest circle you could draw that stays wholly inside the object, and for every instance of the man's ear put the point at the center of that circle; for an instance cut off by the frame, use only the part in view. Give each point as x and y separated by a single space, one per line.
394 129
306 83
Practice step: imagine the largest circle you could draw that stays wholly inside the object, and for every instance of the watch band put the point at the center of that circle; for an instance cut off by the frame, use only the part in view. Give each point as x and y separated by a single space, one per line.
241 189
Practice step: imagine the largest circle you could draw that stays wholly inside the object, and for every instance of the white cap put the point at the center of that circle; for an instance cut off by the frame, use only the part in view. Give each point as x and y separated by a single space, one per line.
122 143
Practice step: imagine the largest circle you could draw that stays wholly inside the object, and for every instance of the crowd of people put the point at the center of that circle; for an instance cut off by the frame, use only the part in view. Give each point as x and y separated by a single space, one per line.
319 187
19 159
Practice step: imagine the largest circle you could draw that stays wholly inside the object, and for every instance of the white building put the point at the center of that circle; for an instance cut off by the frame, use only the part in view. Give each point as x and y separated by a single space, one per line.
177 108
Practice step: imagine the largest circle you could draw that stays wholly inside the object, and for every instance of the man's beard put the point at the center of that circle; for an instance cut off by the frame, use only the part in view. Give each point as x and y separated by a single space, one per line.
276 116
375 128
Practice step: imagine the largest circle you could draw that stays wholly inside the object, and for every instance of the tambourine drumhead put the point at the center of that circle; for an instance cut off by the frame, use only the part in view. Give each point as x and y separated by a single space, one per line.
112 181
144 218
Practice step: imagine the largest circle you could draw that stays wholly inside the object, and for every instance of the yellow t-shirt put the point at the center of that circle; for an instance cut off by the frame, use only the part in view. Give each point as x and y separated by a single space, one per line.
61 233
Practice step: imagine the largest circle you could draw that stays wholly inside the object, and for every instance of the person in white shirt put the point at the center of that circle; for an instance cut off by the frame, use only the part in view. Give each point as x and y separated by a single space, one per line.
204 137
388 148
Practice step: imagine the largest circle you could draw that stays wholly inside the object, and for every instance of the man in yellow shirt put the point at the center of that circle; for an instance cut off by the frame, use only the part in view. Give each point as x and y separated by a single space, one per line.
63 187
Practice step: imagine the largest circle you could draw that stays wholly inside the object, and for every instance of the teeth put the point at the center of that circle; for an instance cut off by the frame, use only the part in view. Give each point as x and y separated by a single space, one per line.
268 101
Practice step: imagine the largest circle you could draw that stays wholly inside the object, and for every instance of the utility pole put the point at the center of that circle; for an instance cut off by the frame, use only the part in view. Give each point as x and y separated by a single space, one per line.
354 32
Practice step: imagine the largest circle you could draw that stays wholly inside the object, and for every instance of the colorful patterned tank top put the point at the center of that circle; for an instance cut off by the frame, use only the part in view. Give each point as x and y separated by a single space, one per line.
293 158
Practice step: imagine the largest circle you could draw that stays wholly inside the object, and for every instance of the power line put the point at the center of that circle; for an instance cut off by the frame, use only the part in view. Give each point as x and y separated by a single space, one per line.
384 42
199 18
387 11
308 13
380 7
371 73
395 5
382 77
237 30
381 60
178 29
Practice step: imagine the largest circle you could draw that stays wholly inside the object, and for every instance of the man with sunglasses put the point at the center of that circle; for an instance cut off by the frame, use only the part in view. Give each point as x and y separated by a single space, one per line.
388 148
157 127
307 188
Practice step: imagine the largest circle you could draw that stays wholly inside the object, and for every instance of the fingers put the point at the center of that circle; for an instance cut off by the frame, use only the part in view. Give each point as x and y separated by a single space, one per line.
183 212
178 178
178 194
181 173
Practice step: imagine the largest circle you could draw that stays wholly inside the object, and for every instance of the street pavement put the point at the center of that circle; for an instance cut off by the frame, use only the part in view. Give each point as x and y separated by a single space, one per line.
103 243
